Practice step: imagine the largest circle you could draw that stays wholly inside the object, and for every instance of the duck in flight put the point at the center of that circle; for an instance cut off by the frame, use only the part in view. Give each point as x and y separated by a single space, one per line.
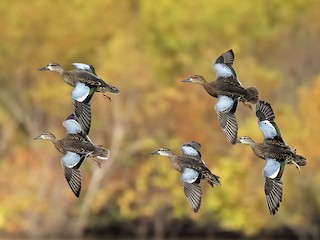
275 152
192 171
76 147
229 91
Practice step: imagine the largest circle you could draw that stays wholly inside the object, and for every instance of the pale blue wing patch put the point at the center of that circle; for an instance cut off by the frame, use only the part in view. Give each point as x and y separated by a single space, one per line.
189 175
271 169
190 151
224 104
83 66
187 150
222 70
72 126
70 159
80 92
268 130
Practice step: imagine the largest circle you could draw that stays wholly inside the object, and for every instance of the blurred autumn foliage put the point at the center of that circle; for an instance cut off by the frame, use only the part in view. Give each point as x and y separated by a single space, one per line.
146 48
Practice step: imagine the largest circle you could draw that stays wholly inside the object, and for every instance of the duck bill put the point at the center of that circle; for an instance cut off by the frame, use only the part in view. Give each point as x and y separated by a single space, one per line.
155 153
187 80
37 137
43 68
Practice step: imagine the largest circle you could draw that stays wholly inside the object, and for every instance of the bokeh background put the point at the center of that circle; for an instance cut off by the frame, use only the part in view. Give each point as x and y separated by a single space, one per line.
146 48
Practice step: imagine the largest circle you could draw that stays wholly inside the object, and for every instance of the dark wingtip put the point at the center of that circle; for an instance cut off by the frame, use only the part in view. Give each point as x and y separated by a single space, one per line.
226 57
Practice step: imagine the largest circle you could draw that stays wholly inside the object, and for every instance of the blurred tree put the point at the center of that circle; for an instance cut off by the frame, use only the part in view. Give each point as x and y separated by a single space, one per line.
146 49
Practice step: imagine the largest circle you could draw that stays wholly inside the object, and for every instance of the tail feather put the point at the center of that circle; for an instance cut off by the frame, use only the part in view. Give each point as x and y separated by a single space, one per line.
101 153
300 160
211 178
108 88
253 95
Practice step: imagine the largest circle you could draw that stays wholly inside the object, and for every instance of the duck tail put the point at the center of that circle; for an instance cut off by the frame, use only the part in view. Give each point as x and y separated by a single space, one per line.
211 178
109 88
101 153
300 160
253 95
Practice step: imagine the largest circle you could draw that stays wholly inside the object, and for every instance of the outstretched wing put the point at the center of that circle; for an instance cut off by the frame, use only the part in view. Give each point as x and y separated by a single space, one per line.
225 109
190 180
223 68
192 149
264 111
82 114
81 97
86 67
73 177
71 162
73 126
267 124
272 173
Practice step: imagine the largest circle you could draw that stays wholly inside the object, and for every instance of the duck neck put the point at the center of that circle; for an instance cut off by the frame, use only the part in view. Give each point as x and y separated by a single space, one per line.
175 161
257 149
68 77
210 88
59 70
57 144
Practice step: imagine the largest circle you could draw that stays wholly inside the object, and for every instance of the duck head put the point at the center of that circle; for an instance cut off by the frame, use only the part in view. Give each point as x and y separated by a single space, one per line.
162 152
46 136
51 67
195 79
245 140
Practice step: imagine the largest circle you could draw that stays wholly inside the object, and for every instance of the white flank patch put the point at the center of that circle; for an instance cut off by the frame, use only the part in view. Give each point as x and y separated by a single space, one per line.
268 130
70 160
222 70
271 168
72 126
189 175
80 92
224 104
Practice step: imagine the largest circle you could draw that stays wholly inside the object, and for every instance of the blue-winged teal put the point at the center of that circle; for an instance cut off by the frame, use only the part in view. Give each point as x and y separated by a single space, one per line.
272 134
229 91
192 173
272 171
83 79
276 153
76 148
